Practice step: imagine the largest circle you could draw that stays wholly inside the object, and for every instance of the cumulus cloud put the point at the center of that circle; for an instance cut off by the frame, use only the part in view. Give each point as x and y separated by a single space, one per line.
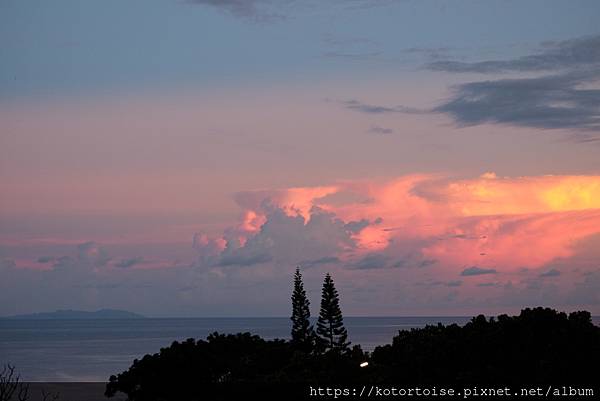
92 254
477 271
567 98
286 236
412 221
88 256
378 237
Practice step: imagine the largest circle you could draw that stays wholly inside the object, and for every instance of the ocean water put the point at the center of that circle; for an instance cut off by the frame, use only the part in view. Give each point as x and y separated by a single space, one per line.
92 350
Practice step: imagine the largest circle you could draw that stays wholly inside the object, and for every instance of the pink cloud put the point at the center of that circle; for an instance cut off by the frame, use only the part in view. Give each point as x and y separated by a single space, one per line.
503 223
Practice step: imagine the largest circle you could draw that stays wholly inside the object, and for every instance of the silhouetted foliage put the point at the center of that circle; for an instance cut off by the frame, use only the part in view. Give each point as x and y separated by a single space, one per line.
191 370
12 387
303 335
539 345
330 326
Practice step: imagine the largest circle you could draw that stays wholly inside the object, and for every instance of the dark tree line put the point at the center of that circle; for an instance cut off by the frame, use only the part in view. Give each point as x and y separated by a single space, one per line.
539 345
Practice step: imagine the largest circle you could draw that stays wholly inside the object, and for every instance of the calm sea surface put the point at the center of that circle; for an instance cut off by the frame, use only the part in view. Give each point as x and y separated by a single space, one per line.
92 350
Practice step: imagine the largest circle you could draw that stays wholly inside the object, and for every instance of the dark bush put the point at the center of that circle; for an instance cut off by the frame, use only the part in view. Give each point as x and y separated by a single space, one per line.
539 345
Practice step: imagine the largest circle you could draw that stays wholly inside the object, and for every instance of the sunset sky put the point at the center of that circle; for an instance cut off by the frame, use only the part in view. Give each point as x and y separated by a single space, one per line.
182 157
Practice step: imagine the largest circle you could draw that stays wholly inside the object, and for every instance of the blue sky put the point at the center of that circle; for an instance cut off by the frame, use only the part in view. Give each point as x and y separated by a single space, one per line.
76 47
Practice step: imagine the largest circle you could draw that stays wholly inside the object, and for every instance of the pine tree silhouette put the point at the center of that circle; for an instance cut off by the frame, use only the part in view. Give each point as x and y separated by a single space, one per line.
330 326
303 335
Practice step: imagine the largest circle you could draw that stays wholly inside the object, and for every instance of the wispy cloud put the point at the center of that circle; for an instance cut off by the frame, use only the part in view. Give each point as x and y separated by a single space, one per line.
477 271
566 99
372 261
548 102
380 130
488 284
352 55
430 53
7 264
254 10
346 41
264 10
125 263
567 54
321 261
551 273
357 105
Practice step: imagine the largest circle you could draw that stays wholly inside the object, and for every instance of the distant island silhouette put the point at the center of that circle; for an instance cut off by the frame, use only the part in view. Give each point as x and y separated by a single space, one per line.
80 315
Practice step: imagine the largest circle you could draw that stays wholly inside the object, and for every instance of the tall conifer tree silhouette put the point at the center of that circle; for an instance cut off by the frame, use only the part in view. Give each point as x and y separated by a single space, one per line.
330 326
303 335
